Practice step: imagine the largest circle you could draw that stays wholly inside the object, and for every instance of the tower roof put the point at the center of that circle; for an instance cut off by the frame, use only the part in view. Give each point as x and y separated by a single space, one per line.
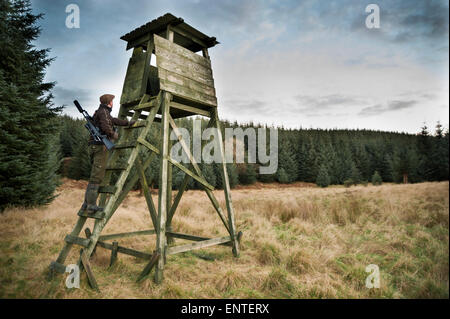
184 34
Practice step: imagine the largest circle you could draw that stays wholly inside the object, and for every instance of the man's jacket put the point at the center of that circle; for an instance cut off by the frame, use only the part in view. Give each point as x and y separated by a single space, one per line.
105 122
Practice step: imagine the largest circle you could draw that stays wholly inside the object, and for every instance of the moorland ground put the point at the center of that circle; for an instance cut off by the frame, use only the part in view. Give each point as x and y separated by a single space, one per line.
299 242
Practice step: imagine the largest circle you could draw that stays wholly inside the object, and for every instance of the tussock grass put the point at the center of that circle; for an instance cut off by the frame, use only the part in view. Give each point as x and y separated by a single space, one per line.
299 242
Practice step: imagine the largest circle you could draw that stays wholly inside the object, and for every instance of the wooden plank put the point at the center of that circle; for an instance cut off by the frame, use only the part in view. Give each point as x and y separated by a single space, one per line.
161 43
188 36
184 146
169 182
125 251
198 245
185 68
216 205
130 234
169 33
88 234
131 182
148 268
141 41
113 260
67 246
193 238
148 56
223 171
147 105
96 215
135 126
57 267
109 189
191 109
186 92
141 117
84 242
148 145
206 53
115 168
186 82
194 68
87 268
148 196
177 199
125 145
133 84
162 199
153 81
187 171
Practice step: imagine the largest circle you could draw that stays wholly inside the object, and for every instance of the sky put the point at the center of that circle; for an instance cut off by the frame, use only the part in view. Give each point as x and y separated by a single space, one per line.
297 64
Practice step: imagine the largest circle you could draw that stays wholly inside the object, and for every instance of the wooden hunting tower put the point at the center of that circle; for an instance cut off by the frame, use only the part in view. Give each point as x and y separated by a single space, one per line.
180 85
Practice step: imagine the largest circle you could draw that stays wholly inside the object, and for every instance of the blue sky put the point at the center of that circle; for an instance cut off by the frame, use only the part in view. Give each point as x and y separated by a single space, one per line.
292 63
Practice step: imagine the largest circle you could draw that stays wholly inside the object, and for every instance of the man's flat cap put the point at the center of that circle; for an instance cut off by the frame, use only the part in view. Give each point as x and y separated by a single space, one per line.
106 98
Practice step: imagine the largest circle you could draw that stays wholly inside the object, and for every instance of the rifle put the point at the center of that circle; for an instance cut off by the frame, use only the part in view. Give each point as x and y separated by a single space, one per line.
93 130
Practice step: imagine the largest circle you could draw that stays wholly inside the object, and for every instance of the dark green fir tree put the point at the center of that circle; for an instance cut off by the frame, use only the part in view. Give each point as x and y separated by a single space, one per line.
29 150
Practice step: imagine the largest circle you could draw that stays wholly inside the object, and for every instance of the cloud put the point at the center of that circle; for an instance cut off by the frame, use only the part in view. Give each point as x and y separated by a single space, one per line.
308 102
65 96
314 106
408 21
391 106
269 52
430 19
247 106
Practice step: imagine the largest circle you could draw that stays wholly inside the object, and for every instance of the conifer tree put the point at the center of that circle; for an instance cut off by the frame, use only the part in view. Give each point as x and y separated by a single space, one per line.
247 173
80 163
282 176
209 174
355 174
438 157
424 147
376 178
232 172
287 161
28 147
323 179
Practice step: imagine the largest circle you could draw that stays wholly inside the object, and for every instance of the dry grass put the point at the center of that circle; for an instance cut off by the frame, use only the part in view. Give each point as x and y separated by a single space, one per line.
299 242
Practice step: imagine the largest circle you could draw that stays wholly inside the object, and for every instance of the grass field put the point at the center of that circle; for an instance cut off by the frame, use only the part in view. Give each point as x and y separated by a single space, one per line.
298 242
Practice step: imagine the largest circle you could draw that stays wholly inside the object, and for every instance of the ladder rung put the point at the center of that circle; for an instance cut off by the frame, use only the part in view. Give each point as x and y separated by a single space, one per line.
96 215
56 266
77 240
107 189
125 145
142 116
135 126
116 168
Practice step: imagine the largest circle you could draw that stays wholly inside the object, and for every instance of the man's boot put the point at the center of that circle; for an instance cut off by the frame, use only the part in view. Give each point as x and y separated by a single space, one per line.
91 198
84 205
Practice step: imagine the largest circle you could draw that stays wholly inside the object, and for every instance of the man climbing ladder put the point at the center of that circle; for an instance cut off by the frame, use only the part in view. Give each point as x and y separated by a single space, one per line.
98 152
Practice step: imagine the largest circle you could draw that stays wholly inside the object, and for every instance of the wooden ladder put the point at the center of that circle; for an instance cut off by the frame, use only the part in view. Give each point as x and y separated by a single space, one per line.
111 196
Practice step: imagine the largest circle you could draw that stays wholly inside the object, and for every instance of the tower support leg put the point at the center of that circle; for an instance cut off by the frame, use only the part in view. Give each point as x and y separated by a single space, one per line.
170 239
161 240
226 185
